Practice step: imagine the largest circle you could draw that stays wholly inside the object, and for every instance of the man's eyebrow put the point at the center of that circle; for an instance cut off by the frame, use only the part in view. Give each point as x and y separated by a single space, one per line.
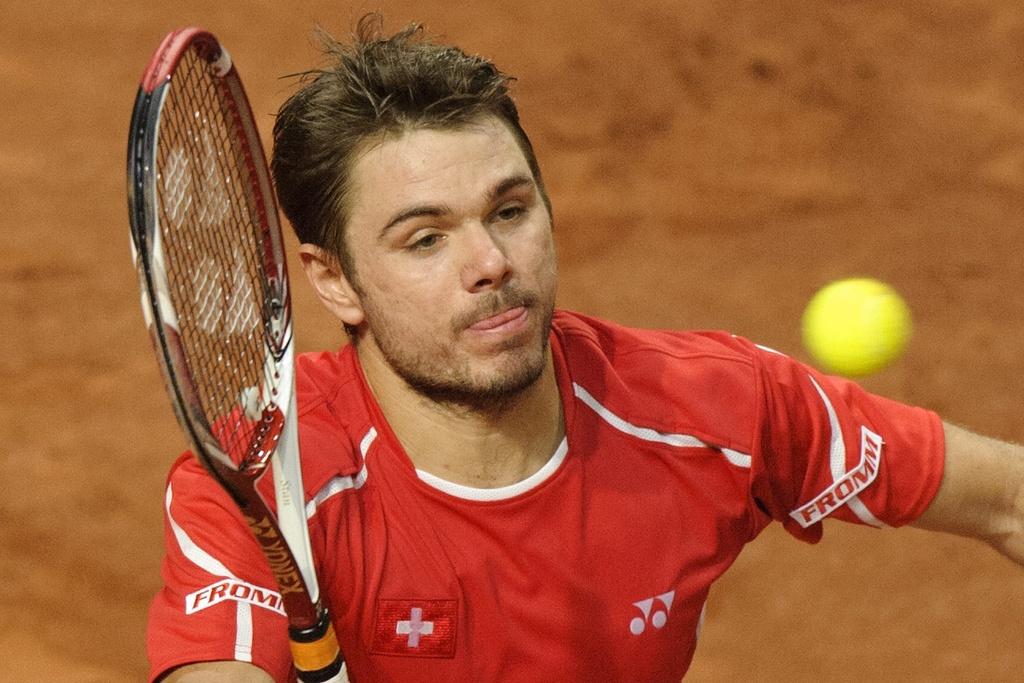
510 183
413 212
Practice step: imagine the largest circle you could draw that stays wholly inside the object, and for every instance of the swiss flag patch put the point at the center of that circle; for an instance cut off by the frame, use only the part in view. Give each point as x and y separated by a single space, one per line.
416 628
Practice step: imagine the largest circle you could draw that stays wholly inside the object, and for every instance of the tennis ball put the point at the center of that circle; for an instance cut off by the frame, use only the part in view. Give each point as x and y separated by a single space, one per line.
856 327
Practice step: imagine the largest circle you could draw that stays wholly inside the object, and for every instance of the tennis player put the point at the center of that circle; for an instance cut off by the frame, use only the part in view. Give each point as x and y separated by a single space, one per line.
498 490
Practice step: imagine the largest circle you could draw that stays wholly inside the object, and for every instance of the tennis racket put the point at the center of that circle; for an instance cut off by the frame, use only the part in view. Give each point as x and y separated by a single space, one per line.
207 245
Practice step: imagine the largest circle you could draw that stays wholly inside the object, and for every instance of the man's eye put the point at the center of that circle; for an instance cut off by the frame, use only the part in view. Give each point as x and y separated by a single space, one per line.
510 213
425 242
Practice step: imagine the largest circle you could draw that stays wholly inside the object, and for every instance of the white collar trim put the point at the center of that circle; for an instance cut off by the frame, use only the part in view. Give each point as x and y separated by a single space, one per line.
502 492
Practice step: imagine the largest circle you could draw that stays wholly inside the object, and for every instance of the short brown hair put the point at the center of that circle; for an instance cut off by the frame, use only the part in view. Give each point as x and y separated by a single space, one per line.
375 87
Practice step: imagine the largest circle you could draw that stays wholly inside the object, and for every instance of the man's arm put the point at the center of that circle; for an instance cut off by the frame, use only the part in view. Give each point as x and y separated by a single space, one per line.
218 672
982 492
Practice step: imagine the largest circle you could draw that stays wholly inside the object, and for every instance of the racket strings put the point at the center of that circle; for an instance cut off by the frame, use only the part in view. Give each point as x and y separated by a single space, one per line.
215 250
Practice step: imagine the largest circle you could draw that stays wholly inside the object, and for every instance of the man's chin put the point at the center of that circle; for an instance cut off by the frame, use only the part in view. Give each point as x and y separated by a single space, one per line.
485 391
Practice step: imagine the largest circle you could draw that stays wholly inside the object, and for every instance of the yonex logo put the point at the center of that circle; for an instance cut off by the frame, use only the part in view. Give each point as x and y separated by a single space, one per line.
179 197
223 297
655 612
224 302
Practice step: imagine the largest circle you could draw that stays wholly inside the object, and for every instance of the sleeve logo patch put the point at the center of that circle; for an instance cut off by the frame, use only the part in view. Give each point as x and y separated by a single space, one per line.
847 486
233 589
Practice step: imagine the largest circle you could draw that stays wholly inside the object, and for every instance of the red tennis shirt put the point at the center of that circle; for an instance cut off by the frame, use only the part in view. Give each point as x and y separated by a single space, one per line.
680 447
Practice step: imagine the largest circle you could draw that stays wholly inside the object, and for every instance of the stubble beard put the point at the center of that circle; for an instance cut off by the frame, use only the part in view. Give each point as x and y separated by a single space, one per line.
449 381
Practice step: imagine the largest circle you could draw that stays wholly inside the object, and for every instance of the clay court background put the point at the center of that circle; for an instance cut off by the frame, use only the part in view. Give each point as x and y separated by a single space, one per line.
711 165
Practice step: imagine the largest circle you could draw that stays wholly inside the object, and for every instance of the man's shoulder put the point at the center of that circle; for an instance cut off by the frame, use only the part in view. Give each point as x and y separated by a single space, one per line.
333 413
693 382
321 376
621 344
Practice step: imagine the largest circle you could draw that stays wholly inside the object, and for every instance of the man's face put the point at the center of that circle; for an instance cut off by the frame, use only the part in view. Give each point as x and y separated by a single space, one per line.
454 262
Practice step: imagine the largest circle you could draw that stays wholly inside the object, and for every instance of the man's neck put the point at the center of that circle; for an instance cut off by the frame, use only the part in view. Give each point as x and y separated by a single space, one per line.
477 448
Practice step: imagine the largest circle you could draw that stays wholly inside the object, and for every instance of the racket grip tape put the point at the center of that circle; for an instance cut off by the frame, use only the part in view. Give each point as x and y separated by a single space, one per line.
315 652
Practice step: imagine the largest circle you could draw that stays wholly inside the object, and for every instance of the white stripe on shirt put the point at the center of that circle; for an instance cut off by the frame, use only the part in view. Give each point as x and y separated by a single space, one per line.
837 459
647 434
208 563
338 484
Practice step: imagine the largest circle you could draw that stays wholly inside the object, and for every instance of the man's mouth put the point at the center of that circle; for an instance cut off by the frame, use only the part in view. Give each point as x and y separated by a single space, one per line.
509 319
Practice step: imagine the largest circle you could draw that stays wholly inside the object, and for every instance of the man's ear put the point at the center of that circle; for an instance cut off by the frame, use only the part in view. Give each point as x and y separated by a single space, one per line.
323 269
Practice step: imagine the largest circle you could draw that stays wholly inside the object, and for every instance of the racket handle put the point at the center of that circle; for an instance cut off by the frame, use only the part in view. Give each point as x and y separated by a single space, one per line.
316 653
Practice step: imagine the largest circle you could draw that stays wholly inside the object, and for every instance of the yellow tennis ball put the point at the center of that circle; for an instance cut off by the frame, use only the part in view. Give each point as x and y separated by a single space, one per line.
856 327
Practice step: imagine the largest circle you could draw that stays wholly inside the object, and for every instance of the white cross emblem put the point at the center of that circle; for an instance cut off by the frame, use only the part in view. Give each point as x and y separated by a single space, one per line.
414 627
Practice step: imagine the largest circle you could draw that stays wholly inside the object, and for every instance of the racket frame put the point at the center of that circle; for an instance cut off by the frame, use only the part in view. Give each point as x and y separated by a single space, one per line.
284 538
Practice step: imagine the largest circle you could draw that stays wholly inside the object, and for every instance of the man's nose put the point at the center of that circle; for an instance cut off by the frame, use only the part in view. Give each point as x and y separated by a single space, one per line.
486 263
